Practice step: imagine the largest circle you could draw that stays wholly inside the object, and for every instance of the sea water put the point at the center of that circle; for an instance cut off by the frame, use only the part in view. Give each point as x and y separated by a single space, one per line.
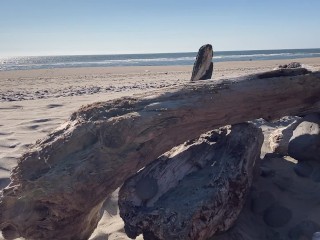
155 59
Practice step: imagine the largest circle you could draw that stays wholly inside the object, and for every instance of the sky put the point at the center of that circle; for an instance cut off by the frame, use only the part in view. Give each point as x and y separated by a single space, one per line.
67 27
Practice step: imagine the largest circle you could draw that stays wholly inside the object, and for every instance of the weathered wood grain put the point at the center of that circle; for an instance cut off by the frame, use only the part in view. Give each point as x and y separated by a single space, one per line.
59 184
195 190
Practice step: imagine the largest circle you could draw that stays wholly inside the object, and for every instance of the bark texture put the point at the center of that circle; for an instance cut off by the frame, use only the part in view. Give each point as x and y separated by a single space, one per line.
203 66
195 190
59 184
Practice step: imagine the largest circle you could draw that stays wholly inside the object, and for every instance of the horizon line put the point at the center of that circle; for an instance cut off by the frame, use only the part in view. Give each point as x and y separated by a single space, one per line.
149 53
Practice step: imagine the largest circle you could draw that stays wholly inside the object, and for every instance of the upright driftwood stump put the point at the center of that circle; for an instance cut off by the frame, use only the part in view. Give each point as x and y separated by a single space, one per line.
203 66
196 189
59 184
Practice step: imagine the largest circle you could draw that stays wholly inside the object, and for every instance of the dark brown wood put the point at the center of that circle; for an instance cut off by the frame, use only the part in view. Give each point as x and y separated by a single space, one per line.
59 184
203 66
196 189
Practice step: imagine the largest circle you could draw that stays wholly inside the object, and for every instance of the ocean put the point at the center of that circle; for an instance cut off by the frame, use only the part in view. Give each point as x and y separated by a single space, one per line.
156 59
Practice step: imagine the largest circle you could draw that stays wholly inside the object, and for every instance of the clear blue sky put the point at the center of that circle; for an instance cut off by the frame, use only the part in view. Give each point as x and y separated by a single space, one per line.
45 27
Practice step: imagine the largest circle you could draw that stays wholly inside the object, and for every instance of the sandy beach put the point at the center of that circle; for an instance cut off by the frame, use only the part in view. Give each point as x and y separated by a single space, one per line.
35 102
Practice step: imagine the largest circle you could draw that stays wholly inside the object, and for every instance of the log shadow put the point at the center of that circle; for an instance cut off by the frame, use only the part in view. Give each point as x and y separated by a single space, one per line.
4 182
278 187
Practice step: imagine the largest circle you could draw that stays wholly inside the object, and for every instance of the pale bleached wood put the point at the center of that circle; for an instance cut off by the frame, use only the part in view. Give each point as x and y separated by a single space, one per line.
60 183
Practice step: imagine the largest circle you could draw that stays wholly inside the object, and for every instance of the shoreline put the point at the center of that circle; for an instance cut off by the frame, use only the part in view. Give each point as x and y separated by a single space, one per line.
149 59
134 69
21 85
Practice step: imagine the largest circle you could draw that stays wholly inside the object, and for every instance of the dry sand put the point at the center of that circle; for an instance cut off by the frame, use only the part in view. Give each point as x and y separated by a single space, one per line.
35 102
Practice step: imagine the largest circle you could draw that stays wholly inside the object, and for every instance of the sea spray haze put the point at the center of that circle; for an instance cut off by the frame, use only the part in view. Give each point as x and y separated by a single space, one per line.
156 59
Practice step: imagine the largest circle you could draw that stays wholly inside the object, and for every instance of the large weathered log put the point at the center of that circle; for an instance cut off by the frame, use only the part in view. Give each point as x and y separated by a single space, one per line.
59 184
196 189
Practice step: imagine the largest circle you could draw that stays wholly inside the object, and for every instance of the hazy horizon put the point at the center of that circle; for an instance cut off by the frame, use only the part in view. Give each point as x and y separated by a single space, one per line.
152 53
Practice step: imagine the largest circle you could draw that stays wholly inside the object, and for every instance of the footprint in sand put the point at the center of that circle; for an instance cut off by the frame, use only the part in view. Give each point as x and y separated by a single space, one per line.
54 105
11 107
26 146
41 120
9 143
5 133
4 169
33 127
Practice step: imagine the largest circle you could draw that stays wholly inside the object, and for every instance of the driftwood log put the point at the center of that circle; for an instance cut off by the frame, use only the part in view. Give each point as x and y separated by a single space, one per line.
59 184
196 189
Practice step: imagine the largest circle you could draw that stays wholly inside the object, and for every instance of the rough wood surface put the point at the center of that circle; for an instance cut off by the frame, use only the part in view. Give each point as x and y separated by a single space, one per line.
194 190
203 66
59 184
